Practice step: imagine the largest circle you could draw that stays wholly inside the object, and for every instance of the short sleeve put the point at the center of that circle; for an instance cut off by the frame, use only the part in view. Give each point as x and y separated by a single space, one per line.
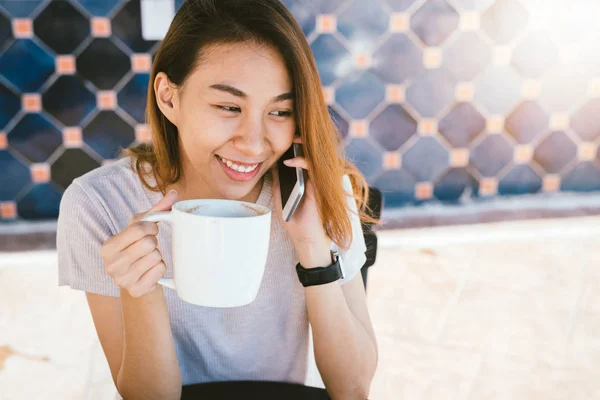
354 258
83 226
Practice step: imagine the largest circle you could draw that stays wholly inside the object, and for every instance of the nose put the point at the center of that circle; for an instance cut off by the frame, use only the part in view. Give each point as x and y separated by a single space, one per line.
251 139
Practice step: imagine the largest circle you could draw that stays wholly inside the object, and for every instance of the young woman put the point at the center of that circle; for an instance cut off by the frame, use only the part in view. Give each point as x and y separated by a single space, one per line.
233 85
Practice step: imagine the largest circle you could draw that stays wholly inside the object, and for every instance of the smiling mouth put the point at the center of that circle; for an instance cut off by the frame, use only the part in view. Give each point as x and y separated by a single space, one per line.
239 167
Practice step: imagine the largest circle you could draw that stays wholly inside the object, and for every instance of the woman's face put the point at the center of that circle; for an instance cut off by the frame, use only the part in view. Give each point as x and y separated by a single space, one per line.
235 117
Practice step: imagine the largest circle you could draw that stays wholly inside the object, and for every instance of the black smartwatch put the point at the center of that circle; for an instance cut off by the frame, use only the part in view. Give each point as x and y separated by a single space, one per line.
321 275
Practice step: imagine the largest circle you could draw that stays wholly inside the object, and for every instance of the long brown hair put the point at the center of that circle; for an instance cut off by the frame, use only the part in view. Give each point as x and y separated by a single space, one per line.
200 23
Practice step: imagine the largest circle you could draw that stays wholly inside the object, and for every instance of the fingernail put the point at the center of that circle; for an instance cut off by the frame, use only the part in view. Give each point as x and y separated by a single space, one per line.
287 162
172 193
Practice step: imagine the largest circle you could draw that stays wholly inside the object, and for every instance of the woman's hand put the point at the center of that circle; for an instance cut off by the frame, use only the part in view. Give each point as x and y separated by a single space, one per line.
304 228
132 257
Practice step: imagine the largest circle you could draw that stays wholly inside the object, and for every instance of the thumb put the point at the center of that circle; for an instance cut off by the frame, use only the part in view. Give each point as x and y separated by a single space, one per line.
163 204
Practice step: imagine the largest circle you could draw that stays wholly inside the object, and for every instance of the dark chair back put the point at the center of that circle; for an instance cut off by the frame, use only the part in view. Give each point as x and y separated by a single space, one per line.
375 206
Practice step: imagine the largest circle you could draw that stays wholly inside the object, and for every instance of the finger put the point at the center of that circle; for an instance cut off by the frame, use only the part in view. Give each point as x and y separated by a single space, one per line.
148 280
130 235
139 268
163 204
297 162
298 139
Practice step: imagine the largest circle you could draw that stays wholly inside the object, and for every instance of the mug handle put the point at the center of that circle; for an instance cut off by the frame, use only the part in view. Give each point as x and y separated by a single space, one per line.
164 216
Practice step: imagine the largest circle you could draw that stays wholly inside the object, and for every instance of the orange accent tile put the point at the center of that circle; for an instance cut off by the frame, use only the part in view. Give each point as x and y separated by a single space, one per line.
72 137
464 92
328 94
495 124
587 151
469 21
141 63
395 93
488 186
100 27
523 153
428 126
362 61
65 65
501 55
143 134
459 157
3 141
432 57
326 23
399 22
106 100
31 102
559 121
359 128
424 190
40 173
551 183
391 160
22 28
531 89
8 210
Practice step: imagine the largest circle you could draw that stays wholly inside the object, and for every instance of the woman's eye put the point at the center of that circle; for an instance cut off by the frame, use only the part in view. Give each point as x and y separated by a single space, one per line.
229 109
281 113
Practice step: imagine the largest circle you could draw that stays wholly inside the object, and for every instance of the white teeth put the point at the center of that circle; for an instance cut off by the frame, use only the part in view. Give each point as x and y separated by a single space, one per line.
237 167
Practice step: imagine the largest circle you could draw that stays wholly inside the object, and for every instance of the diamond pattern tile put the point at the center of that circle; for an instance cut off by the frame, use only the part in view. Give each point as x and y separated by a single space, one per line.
434 22
455 185
526 122
478 5
103 64
363 23
400 5
5 31
535 54
20 8
68 100
437 159
108 134
35 138
127 26
319 6
14 177
397 188
430 92
504 20
70 165
562 88
11 104
585 177
61 27
304 14
491 155
42 201
555 152
499 90
520 180
333 60
397 59
393 127
365 156
462 124
99 7
466 56
132 97
40 65
586 122
360 93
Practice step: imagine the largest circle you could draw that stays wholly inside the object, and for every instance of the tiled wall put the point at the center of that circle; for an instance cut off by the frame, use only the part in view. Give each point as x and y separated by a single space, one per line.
438 100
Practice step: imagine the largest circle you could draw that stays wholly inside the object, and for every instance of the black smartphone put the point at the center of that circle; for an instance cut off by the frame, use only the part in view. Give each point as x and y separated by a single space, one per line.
291 182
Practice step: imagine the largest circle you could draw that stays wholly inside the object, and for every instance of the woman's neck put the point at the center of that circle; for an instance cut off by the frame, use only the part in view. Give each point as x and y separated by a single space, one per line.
188 192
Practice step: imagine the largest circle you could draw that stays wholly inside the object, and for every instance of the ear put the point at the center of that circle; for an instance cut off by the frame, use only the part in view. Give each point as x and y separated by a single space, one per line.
165 93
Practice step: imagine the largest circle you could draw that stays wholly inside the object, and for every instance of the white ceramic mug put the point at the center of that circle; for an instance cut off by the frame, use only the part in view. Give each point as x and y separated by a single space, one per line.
219 250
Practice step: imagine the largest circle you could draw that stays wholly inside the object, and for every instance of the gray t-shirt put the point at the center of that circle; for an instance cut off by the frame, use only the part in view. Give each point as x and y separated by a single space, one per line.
265 340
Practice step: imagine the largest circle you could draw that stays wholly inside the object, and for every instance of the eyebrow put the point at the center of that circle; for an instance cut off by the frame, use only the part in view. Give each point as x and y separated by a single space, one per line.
238 93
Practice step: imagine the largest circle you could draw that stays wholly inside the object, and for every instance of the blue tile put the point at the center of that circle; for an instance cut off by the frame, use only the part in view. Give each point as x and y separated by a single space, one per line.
127 26
426 160
303 14
70 165
477 5
40 202
555 152
520 180
40 65
108 134
462 124
400 5
20 8
491 155
11 104
35 138
535 54
397 187
360 93
583 178
319 6
455 185
585 121
132 98
365 156
363 23
100 8
61 27
392 127
526 122
397 59
499 90
339 121
504 20
434 22
466 56
333 60
14 177
68 100
556 96
5 31
430 92
103 64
